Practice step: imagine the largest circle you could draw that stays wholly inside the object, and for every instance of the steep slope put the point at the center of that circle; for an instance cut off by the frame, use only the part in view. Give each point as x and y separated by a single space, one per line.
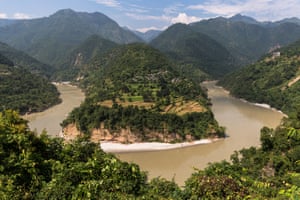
273 80
51 38
78 59
5 22
188 47
23 91
134 94
242 18
22 59
246 40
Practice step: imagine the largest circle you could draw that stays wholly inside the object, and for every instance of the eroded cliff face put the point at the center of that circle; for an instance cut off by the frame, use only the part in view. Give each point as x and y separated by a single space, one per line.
124 136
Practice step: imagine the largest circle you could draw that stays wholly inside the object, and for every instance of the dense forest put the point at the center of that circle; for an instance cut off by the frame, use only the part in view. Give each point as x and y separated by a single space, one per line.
134 86
143 122
272 80
20 58
23 91
47 168
192 48
79 57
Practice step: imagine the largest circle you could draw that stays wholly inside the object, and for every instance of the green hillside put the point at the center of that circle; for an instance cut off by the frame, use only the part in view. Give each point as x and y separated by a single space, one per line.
83 54
22 59
136 86
188 47
51 39
272 80
247 40
23 91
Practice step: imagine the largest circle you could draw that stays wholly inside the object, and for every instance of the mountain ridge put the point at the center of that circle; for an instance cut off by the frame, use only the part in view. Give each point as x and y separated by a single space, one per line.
188 47
49 39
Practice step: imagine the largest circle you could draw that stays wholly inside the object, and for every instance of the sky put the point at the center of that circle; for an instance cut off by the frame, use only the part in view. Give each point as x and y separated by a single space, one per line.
144 15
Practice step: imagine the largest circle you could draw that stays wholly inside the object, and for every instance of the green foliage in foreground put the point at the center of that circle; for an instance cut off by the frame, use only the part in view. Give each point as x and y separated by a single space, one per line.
34 167
269 172
26 92
143 121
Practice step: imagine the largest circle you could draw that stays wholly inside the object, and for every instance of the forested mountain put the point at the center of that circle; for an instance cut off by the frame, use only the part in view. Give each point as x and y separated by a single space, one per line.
5 61
23 91
294 20
188 47
246 39
136 87
5 22
245 19
22 59
50 39
273 80
77 60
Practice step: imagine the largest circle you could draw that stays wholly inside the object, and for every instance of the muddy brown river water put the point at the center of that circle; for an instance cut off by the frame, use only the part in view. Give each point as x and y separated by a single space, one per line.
242 120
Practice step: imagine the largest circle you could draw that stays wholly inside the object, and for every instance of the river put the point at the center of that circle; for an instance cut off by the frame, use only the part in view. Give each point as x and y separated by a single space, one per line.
242 120
50 119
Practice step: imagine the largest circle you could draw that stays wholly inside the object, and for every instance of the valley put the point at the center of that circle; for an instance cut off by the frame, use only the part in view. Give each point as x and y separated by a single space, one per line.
152 157
142 117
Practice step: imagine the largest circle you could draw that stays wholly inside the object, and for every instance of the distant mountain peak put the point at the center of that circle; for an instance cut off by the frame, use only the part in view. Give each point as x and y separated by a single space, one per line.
65 11
294 20
242 18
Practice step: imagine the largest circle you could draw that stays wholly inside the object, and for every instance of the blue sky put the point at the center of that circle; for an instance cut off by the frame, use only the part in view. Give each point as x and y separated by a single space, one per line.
155 14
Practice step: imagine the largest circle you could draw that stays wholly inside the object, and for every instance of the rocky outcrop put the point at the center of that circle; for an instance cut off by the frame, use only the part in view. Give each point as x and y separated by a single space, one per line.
124 136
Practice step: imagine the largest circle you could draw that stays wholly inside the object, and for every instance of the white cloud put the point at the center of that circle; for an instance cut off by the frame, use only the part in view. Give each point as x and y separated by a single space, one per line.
184 18
261 9
3 15
148 17
144 30
21 16
109 3
180 18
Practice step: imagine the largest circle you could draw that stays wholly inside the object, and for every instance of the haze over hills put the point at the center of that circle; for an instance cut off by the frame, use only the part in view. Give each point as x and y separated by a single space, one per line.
22 59
225 45
50 39
6 22
245 38
148 35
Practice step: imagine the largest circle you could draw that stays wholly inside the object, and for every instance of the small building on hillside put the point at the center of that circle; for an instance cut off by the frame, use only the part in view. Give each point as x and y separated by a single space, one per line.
275 54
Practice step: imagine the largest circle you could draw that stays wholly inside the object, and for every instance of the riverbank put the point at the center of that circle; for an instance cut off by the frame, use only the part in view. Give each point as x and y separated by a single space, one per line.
262 105
50 119
113 147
